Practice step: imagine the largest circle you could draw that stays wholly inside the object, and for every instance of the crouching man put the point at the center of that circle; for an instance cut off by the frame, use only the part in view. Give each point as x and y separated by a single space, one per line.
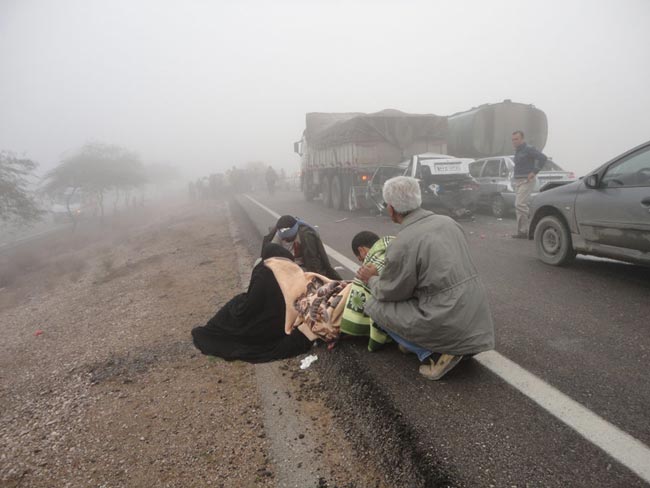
428 297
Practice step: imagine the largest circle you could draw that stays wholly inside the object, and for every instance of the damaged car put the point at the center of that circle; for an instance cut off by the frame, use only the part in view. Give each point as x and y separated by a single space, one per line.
446 185
495 176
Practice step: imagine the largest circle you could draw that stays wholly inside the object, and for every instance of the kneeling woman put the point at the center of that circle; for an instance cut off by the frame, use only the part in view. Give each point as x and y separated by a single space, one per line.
251 326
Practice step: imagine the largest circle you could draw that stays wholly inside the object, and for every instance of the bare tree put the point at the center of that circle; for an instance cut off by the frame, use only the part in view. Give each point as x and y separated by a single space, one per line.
17 202
93 171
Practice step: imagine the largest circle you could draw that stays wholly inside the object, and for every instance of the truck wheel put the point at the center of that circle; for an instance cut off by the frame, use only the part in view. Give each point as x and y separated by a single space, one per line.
498 206
341 185
553 242
326 191
347 193
307 191
339 198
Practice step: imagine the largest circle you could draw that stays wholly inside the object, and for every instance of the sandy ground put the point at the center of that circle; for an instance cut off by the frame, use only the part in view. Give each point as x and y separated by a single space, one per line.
100 384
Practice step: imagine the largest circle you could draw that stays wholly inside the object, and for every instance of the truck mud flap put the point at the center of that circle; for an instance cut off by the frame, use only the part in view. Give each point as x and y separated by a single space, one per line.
360 201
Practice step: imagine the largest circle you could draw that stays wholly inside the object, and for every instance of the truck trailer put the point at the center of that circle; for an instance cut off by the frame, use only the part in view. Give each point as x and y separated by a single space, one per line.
341 151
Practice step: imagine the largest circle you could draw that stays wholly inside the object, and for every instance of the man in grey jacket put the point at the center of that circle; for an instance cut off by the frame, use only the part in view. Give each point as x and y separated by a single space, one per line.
429 296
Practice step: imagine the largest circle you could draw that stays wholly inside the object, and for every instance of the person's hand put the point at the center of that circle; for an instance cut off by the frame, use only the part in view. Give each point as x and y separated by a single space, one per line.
364 273
531 176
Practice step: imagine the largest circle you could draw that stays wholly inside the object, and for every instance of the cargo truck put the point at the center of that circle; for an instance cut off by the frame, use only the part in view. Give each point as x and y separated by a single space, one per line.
341 151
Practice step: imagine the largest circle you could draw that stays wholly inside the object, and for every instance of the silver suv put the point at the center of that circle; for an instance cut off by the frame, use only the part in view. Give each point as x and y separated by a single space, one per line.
494 175
606 213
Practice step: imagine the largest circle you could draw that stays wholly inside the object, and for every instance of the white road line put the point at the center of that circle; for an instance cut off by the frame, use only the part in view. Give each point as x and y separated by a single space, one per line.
627 450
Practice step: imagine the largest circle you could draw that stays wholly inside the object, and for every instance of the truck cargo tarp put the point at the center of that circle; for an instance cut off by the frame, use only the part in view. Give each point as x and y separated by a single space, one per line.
397 128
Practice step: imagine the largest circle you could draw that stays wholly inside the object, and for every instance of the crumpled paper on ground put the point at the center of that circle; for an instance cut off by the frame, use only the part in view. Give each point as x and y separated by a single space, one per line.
306 362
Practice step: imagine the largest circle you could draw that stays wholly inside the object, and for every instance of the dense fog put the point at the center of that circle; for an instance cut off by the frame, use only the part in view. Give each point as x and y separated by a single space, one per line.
207 85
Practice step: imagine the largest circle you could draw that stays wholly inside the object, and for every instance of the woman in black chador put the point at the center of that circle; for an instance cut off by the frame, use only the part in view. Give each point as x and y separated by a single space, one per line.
250 327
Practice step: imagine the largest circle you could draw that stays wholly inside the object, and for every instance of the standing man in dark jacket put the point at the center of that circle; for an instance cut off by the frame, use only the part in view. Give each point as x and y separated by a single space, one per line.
528 162
303 241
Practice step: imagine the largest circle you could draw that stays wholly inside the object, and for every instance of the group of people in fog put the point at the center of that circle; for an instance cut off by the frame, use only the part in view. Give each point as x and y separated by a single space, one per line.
237 180
419 289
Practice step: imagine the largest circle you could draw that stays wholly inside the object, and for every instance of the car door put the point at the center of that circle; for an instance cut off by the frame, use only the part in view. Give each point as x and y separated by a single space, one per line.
475 171
421 170
617 211
490 177
376 182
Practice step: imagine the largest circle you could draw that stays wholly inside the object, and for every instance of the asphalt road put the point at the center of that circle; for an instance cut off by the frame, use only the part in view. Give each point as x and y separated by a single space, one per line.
583 330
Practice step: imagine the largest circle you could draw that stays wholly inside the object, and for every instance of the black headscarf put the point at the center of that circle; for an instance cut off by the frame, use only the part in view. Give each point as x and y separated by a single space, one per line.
273 250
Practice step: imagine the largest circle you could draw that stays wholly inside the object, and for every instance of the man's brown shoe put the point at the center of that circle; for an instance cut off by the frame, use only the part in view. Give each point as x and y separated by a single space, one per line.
437 369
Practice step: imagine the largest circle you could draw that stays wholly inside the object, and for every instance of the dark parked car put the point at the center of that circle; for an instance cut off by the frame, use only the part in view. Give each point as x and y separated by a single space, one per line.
494 176
445 182
606 213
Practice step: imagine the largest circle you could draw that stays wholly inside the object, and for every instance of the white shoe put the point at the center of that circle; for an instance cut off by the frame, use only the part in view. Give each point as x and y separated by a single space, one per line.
437 369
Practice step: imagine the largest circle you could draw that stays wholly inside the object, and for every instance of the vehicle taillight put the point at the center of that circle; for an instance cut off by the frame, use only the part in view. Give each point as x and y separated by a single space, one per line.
572 175
365 177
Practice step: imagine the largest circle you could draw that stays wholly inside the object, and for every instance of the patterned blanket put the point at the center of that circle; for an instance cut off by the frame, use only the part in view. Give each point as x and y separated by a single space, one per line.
354 321
314 304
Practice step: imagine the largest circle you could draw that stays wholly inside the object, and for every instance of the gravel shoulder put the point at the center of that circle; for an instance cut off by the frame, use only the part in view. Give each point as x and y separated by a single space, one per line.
101 386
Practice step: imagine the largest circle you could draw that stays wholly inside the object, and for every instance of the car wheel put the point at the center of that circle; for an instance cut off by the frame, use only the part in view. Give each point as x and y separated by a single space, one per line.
498 206
553 242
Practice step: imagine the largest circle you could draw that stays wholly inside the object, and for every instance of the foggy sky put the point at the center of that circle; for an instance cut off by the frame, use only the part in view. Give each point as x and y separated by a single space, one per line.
206 84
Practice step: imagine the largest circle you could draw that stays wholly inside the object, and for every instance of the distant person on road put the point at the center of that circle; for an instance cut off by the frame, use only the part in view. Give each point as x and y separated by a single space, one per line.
528 162
369 249
304 243
251 326
429 297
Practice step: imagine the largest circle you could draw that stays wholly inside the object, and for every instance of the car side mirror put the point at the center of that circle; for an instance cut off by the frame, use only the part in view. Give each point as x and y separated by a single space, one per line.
591 181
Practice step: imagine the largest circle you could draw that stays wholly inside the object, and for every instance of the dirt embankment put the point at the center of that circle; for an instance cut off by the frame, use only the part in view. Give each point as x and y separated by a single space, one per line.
100 385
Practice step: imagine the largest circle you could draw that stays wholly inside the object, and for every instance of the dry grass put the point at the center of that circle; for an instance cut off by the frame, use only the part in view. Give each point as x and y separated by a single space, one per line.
111 392
63 254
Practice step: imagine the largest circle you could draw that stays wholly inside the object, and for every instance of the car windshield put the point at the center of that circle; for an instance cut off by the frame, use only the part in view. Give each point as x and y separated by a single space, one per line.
475 168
